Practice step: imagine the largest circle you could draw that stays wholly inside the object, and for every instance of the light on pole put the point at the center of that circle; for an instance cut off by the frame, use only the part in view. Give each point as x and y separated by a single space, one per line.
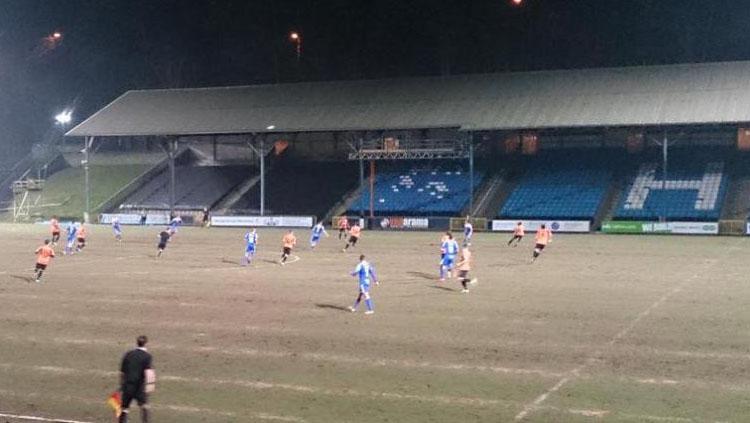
296 38
63 118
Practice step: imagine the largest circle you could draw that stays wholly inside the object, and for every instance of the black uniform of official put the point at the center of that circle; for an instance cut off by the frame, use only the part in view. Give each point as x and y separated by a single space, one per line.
133 368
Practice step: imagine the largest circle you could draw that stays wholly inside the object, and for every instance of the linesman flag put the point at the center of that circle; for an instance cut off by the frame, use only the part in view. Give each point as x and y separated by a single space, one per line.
115 402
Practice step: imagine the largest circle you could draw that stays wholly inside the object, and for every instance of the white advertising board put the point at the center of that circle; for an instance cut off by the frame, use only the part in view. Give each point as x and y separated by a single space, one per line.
694 228
134 219
554 225
264 221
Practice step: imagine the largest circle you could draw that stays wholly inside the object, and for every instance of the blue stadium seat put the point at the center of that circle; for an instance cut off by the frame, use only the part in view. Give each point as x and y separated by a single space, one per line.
419 191
694 190
558 191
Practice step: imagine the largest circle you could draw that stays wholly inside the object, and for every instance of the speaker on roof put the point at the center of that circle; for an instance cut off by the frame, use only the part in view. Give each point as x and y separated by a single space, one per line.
529 144
634 143
511 143
280 146
743 139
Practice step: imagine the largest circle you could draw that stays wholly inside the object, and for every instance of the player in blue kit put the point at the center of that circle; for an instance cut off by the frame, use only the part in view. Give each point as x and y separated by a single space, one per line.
365 273
449 250
317 231
72 230
175 223
468 231
251 242
117 229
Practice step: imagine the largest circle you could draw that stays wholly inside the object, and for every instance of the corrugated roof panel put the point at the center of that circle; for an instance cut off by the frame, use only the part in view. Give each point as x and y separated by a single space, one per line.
633 96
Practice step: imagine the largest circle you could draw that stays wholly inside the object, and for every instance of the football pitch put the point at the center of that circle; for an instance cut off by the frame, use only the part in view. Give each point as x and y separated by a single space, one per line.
600 328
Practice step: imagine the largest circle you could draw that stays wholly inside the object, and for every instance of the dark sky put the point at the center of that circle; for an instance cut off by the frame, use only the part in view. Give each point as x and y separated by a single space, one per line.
110 46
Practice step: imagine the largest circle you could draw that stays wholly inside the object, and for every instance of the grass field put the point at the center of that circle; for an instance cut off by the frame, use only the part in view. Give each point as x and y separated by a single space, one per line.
601 328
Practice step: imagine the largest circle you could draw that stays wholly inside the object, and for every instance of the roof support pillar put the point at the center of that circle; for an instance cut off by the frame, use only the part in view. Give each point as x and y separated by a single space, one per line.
361 179
88 142
170 147
262 158
665 162
471 172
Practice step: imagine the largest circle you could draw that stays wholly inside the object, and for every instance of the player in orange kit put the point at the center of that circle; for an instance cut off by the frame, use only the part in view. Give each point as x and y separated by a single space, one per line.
518 233
354 233
289 241
542 238
343 227
44 255
81 234
54 226
464 266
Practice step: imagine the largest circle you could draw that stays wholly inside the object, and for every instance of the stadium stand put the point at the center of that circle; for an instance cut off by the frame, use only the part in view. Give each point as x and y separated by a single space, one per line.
558 187
300 188
196 187
419 190
694 190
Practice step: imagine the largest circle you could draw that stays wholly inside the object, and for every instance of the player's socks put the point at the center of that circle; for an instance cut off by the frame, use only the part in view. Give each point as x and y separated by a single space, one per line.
464 283
124 416
368 303
144 415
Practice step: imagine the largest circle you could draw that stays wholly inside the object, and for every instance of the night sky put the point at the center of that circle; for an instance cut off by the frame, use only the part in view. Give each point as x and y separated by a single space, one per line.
109 46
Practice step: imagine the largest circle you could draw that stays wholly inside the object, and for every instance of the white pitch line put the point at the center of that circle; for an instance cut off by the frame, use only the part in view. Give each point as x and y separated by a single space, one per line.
573 374
177 408
263 385
39 419
331 358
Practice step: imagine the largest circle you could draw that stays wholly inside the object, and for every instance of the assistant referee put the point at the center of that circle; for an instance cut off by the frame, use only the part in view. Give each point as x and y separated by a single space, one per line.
136 379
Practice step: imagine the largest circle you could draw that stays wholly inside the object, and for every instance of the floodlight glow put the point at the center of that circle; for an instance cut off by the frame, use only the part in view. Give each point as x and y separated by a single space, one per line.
294 36
56 35
271 127
64 117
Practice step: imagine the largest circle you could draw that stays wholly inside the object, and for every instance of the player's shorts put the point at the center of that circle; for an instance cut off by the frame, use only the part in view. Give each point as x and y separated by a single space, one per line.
40 266
162 246
250 249
540 247
117 231
353 240
287 250
139 395
56 234
463 274
81 240
364 287
447 260
315 239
